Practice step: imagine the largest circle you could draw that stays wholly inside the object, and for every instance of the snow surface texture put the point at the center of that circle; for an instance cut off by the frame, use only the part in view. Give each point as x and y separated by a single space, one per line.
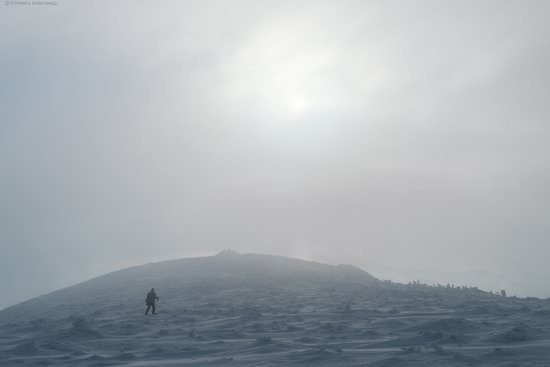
257 310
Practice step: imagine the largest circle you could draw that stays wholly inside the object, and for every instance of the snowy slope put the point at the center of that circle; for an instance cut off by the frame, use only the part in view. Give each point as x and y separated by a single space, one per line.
176 278
257 310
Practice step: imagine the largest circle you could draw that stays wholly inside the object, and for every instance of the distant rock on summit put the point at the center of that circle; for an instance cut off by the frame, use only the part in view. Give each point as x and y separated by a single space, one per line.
185 279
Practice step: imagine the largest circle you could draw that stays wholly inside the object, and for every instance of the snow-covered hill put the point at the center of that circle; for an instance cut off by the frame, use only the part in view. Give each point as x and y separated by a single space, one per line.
258 310
185 279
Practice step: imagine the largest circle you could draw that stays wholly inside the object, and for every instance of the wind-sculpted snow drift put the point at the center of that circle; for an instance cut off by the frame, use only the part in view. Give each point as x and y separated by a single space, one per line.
258 310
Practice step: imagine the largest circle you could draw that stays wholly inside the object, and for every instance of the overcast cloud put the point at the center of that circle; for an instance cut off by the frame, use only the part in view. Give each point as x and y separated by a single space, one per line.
411 135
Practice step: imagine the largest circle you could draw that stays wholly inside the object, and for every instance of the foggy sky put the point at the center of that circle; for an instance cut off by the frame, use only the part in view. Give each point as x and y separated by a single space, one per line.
412 135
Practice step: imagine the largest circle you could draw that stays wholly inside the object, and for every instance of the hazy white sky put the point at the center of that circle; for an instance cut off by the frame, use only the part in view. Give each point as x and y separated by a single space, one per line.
409 134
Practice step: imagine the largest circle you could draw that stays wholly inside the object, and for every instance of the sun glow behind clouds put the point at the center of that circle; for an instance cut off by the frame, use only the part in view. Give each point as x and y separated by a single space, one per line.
285 74
298 105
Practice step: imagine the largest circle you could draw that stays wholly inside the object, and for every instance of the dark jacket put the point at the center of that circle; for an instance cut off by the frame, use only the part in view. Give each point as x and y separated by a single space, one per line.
151 298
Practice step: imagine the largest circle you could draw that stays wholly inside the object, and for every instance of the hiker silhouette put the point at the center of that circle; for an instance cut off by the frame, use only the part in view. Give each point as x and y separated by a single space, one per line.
151 301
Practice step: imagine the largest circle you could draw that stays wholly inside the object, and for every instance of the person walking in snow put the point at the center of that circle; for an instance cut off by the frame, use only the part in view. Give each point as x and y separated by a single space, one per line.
151 301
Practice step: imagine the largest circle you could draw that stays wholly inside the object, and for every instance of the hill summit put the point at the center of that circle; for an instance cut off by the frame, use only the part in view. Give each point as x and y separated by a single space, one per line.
236 309
191 279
